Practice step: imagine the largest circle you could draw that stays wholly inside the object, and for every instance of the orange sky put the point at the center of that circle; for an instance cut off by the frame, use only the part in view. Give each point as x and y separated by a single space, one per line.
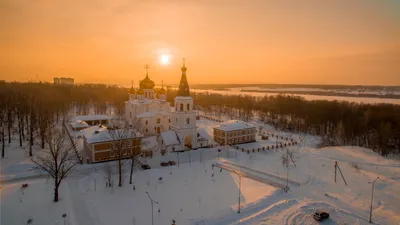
224 41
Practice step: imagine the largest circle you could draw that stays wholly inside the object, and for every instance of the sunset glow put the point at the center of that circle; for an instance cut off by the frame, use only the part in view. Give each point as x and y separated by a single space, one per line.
257 41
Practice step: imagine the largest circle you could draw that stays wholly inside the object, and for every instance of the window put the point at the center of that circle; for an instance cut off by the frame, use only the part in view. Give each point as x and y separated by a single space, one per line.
188 107
130 115
181 108
147 122
147 130
158 120
169 120
188 120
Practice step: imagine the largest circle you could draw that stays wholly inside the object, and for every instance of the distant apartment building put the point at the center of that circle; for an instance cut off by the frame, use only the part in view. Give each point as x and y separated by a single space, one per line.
63 80
234 132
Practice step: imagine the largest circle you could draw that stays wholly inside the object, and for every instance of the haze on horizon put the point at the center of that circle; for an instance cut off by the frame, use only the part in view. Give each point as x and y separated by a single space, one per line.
224 41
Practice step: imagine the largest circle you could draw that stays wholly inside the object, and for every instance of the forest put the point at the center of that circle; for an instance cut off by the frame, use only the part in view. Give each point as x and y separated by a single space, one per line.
28 109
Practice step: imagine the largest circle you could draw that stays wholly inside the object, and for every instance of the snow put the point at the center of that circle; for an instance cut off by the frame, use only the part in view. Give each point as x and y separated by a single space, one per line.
149 143
170 138
101 133
91 117
234 125
78 124
183 98
195 192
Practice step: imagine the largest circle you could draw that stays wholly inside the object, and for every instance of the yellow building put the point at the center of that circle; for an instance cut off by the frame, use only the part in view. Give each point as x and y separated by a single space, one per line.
100 145
234 132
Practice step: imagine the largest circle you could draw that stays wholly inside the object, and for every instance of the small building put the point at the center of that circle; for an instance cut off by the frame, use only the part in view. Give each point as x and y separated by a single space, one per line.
234 132
92 120
63 80
169 141
100 145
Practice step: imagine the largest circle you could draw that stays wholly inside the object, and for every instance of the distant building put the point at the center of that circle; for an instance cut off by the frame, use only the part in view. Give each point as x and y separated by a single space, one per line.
100 145
3 81
234 132
63 80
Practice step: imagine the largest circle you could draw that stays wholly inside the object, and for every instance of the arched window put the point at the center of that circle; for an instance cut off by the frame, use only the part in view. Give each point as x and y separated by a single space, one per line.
188 107
181 108
158 120
187 120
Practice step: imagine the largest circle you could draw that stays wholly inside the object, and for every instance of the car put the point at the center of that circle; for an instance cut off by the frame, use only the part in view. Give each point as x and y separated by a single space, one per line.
164 164
171 163
320 215
146 167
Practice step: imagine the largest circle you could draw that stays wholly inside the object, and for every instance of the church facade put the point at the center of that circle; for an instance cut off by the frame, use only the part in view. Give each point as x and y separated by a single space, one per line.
144 111
175 127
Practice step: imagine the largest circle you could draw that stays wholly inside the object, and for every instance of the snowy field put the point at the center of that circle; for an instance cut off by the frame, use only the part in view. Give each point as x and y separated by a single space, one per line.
195 192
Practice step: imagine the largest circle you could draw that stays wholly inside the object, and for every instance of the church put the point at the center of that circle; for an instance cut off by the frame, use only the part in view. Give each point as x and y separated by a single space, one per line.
150 113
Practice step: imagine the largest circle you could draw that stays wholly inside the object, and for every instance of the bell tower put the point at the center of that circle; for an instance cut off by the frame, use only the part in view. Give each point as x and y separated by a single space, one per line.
184 118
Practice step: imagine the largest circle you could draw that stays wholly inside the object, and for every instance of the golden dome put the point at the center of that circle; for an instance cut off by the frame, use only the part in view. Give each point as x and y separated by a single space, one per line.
146 83
162 91
132 91
140 92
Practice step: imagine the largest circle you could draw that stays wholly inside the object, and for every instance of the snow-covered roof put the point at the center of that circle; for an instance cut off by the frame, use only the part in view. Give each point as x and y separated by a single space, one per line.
231 125
91 117
170 138
184 97
203 134
149 143
152 114
101 133
78 124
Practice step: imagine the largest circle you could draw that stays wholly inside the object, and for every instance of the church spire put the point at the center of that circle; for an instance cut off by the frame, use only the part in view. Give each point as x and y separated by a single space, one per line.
183 85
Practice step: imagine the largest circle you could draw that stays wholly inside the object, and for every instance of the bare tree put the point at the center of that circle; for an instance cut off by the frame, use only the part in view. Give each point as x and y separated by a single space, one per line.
122 147
2 134
58 160
136 148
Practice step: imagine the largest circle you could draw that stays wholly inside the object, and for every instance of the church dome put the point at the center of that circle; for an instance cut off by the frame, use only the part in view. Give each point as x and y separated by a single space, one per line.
162 91
140 92
132 91
146 83
183 69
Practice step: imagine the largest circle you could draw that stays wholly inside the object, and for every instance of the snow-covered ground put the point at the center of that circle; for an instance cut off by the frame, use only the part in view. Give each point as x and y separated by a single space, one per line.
195 192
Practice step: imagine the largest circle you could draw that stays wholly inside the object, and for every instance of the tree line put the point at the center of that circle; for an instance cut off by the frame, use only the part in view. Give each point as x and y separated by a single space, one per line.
27 110
375 126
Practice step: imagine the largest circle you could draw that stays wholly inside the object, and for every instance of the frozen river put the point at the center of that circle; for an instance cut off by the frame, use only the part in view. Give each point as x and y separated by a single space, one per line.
365 100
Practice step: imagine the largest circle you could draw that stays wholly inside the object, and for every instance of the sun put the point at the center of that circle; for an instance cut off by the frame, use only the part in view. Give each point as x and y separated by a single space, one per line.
164 59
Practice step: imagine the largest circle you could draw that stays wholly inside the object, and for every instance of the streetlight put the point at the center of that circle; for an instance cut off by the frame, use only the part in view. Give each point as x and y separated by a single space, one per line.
372 197
240 184
64 216
178 159
152 213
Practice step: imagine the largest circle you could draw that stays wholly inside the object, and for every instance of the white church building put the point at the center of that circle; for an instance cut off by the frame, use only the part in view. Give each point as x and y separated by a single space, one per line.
150 113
